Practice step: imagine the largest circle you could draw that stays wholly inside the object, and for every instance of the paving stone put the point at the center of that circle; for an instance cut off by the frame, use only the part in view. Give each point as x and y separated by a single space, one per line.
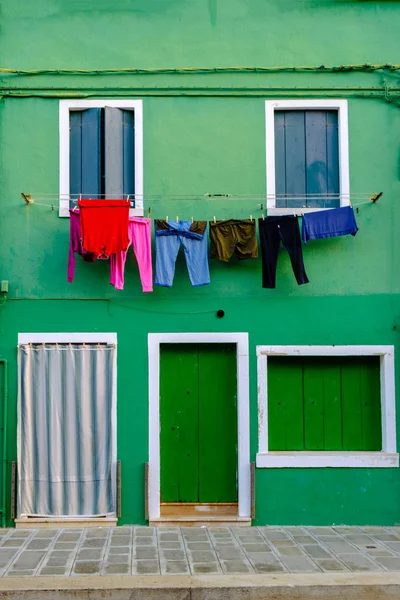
341 547
169 537
290 551
385 537
56 562
374 553
29 559
344 530
87 567
20 573
170 545
199 546
316 551
361 540
116 559
299 564
6 556
144 552
53 571
144 531
331 565
147 567
120 569
94 543
358 562
13 543
60 554
256 547
22 533
38 544
268 567
127 531
391 564
202 556
394 546
193 538
142 541
322 531
68 537
235 566
294 531
125 541
64 546
305 539
372 529
89 554
275 535
283 543
199 568
175 567
174 554
226 542
119 550
229 553
46 533
97 532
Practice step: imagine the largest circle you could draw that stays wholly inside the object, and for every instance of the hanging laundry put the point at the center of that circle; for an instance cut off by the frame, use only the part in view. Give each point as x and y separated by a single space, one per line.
227 237
139 233
329 223
75 244
104 226
193 237
273 231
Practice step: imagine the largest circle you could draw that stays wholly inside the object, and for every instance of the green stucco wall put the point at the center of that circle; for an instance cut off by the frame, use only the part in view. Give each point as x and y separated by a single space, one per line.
210 141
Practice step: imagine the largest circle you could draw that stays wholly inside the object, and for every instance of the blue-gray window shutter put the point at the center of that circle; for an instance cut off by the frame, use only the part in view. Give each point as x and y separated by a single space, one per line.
307 158
119 156
85 152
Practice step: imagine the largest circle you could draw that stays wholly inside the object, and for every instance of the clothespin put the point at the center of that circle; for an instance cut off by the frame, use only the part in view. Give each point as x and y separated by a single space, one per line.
263 218
215 220
177 220
148 212
166 218
127 198
192 219
251 218
52 207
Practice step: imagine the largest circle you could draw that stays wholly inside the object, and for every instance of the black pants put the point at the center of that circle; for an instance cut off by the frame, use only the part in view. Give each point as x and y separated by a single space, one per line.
273 230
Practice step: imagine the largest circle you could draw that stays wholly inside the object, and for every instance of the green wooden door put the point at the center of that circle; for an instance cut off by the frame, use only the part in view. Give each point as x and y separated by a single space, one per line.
198 418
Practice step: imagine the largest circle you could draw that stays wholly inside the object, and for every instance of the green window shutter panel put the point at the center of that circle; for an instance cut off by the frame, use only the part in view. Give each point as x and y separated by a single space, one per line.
306 157
327 403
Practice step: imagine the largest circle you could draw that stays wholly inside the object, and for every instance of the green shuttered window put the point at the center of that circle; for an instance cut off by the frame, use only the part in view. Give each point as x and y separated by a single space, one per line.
307 158
324 403
102 160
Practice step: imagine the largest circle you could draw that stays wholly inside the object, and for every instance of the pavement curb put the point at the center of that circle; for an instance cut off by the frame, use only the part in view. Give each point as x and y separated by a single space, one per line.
343 586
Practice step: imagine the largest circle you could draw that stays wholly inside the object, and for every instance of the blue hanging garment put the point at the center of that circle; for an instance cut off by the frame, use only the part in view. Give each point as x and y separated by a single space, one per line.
329 223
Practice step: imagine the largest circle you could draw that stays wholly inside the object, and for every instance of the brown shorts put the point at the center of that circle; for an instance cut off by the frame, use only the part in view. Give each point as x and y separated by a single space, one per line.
227 237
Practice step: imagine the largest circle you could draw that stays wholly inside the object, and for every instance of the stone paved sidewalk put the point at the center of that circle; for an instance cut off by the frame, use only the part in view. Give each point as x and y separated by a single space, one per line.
197 550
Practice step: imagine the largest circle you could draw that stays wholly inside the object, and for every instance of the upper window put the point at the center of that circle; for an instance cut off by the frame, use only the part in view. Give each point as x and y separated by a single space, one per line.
101 151
307 155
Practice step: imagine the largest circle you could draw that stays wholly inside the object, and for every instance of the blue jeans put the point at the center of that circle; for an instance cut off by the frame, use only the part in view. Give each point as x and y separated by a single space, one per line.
196 254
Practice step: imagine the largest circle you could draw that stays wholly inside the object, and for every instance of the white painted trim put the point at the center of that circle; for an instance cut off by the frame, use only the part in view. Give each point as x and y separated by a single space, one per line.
67 338
370 460
388 457
71 338
68 105
242 354
344 174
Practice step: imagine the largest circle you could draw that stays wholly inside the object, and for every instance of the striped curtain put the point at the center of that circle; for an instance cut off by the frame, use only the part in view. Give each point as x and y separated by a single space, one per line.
66 446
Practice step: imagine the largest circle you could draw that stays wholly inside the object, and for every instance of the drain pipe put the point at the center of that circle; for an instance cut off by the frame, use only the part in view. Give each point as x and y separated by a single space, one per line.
5 407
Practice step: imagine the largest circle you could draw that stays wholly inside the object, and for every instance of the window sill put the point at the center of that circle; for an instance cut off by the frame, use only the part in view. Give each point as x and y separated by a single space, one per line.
371 460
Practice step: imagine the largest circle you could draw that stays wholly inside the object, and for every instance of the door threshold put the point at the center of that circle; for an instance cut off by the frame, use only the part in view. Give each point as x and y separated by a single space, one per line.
57 522
199 521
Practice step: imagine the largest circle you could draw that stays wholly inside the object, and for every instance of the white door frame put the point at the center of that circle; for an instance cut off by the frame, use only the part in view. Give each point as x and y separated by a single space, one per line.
242 362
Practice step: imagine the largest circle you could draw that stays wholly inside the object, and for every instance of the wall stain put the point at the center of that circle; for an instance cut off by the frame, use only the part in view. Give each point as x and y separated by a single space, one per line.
212 10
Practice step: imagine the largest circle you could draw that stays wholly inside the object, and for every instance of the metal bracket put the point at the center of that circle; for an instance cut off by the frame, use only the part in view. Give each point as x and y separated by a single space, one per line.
253 489
146 491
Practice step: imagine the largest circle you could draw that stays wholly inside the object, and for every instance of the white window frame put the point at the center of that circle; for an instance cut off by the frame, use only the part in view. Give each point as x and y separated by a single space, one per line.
243 422
74 338
344 175
387 457
66 106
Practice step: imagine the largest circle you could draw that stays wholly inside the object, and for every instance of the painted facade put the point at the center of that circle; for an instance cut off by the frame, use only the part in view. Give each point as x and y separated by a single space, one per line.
204 132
